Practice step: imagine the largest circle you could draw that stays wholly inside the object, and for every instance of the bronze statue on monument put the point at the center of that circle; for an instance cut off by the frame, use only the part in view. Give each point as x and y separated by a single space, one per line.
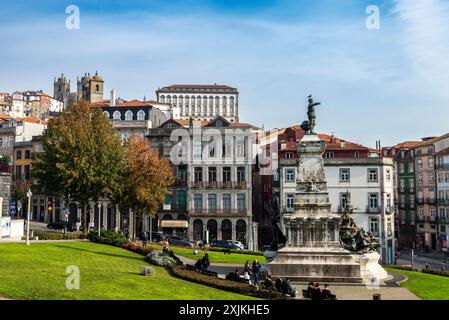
309 126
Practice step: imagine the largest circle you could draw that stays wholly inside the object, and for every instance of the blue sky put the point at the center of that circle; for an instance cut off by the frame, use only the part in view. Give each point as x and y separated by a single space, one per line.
390 84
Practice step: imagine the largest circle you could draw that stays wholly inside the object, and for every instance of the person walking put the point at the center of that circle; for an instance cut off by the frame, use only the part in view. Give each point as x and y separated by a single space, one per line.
145 238
256 270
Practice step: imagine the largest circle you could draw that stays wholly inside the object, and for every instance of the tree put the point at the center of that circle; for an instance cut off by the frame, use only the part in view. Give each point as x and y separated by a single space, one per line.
83 157
147 177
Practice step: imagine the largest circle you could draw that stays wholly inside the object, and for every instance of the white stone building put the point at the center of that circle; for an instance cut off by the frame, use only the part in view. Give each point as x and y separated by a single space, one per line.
202 102
354 174
442 181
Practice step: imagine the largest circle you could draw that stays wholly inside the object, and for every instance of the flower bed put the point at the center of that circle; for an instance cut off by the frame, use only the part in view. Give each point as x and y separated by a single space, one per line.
222 284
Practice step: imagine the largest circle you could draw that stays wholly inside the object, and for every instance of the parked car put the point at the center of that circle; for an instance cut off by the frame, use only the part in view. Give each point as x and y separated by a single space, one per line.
238 244
60 225
266 247
226 245
180 241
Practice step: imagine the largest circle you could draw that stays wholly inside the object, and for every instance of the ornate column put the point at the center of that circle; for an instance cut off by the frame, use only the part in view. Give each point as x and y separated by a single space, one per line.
131 224
104 207
117 218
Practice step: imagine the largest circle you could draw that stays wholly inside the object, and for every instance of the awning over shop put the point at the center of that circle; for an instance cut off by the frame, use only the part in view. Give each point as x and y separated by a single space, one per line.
174 224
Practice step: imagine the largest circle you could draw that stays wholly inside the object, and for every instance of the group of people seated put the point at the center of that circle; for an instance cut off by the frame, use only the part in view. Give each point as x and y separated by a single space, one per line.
203 263
315 292
284 286
236 276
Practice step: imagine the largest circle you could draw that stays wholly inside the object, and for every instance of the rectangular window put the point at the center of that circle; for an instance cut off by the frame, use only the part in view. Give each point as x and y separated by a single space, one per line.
290 175
401 168
373 201
241 201
344 200
431 179
290 199
446 177
212 174
182 199
388 175
198 201
388 200
345 175
27 172
440 177
18 172
372 175
227 174
19 154
411 167
198 174
226 201
241 174
419 163
212 201
374 227
329 155
27 154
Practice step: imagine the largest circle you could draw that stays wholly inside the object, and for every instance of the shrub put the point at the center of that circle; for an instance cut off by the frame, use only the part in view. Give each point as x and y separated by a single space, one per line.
160 258
222 284
109 237
138 248
44 235
443 273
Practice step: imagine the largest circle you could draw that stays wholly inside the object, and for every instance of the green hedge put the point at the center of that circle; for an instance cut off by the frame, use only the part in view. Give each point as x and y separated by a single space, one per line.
44 235
109 237
255 253
442 273
222 284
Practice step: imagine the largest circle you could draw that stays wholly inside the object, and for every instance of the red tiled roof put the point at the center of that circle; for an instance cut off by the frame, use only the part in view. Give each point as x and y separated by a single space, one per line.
404 145
334 143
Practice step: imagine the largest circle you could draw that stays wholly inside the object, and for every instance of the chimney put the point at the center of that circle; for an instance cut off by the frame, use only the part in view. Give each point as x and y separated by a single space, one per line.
112 102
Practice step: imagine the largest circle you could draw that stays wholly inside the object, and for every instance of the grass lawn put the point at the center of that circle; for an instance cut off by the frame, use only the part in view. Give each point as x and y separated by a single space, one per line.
106 272
425 286
217 257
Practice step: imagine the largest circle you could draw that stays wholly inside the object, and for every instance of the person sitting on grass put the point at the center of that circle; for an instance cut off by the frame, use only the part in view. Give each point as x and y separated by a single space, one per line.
288 289
268 283
205 262
199 265
247 267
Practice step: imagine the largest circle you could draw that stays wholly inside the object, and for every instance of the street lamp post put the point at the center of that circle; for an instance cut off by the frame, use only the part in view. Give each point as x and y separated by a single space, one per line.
99 208
29 194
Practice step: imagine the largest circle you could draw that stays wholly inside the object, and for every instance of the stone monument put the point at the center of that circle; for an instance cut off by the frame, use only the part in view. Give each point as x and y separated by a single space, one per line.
314 249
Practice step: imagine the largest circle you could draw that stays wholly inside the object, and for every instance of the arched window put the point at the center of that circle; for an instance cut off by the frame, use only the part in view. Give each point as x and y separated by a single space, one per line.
117 115
231 110
204 109
231 101
192 100
204 101
217 109
107 114
162 98
225 109
187 100
211 110
211 101
180 110
141 115
169 99
128 115
193 108
224 101
198 101
217 101
181 99
187 109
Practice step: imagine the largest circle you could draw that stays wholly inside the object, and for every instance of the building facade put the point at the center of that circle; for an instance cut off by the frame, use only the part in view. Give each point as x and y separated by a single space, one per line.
213 190
132 117
202 102
442 179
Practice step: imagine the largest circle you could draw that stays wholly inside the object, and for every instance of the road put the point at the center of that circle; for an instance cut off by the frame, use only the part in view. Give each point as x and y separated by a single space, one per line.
420 260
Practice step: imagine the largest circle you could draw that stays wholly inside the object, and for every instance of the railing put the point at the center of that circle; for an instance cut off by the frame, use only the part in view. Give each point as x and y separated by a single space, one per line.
426 201
287 209
373 209
443 201
174 207
219 185
218 212
442 166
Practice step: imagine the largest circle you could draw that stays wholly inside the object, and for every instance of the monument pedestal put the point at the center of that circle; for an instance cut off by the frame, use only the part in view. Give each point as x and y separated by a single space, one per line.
313 252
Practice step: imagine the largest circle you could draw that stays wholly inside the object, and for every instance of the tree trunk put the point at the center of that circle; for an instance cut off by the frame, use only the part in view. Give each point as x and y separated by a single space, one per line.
84 218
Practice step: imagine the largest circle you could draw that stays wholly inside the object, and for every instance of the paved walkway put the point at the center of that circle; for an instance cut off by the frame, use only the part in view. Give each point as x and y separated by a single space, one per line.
388 288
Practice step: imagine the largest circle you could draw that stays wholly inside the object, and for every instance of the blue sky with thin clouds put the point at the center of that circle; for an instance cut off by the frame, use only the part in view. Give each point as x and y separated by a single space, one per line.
390 84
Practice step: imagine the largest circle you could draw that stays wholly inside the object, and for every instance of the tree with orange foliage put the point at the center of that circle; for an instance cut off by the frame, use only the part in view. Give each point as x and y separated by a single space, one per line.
147 177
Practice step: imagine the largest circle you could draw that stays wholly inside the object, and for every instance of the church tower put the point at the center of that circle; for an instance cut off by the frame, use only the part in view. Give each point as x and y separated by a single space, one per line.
61 88
96 87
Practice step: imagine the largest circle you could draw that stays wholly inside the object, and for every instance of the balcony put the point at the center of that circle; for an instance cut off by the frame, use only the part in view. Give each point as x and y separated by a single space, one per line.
443 201
426 201
370 209
218 213
287 209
